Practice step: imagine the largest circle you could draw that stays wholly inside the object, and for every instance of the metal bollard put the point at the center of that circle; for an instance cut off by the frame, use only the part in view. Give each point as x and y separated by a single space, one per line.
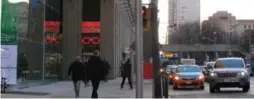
166 86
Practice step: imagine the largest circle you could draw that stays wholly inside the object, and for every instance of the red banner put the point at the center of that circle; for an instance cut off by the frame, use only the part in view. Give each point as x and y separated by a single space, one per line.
91 27
87 27
52 27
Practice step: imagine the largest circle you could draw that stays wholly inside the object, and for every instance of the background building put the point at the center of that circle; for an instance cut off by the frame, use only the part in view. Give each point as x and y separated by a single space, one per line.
183 11
243 25
226 24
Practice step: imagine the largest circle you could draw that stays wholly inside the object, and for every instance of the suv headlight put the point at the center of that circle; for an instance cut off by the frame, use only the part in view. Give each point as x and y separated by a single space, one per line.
242 73
161 70
213 74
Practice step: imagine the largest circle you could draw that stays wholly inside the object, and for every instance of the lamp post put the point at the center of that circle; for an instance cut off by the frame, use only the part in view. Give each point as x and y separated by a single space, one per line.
157 93
139 50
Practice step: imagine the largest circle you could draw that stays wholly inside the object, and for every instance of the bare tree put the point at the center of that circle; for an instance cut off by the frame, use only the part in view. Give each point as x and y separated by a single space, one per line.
186 34
245 40
211 34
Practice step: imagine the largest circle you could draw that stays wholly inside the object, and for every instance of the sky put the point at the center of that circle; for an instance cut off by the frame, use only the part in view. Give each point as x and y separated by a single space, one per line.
242 9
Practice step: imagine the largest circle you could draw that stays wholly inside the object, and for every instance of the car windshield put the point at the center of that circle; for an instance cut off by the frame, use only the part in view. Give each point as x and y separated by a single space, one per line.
230 63
210 64
170 68
188 69
203 68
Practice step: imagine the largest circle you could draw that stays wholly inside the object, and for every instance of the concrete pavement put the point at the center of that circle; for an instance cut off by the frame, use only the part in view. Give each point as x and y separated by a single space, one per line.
64 89
111 89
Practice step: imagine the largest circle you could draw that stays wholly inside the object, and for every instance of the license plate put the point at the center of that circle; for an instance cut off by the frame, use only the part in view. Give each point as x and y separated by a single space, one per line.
188 82
227 80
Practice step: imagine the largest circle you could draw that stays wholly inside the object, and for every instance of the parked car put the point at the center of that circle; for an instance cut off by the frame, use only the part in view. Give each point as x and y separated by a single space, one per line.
170 69
229 72
204 71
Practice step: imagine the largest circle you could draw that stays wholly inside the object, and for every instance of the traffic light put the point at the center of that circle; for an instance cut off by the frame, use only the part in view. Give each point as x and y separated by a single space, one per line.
146 14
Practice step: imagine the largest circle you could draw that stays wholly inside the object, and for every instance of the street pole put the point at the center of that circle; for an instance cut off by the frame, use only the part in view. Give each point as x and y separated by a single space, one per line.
43 43
139 52
155 50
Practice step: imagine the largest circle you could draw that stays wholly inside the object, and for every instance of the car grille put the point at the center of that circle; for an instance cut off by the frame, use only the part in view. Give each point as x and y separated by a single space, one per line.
227 74
188 78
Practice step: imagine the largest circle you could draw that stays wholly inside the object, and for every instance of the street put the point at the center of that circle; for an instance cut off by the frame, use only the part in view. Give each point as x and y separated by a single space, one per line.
225 93
111 89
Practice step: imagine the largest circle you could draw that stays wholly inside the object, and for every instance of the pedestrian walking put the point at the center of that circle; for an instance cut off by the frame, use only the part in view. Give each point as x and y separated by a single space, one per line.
107 70
85 63
76 73
95 72
22 67
126 70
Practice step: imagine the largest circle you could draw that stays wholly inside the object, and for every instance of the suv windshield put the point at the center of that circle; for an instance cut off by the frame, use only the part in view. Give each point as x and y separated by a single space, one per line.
234 63
188 69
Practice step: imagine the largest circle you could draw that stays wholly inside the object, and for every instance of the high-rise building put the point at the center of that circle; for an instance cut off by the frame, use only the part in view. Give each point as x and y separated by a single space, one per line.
183 11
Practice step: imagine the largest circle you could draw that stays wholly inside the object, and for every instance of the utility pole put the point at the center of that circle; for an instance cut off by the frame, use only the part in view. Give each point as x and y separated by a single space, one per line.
139 50
155 50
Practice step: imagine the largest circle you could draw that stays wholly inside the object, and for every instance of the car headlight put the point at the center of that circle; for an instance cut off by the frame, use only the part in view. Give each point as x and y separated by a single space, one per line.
176 78
201 77
161 70
242 73
213 74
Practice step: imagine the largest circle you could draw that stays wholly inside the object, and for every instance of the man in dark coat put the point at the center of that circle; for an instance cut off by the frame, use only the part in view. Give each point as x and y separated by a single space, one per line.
95 72
76 73
85 63
126 71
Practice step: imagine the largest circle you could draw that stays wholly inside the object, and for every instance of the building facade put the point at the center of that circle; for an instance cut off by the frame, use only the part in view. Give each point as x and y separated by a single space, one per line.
56 34
226 23
243 25
117 31
183 11
231 27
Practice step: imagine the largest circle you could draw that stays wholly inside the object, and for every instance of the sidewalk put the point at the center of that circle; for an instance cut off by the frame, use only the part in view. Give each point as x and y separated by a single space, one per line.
109 89
64 89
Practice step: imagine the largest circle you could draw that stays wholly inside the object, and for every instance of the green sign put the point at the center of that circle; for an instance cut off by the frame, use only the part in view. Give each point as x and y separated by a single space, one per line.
9 23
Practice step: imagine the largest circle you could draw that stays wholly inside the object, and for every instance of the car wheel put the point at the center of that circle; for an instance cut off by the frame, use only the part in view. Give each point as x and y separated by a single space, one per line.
202 87
175 87
212 88
246 88
217 89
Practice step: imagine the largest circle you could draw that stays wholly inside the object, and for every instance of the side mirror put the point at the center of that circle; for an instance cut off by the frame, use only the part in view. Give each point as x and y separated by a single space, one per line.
247 65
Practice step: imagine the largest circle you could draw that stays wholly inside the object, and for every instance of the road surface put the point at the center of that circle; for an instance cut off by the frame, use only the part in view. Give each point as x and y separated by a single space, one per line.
225 93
